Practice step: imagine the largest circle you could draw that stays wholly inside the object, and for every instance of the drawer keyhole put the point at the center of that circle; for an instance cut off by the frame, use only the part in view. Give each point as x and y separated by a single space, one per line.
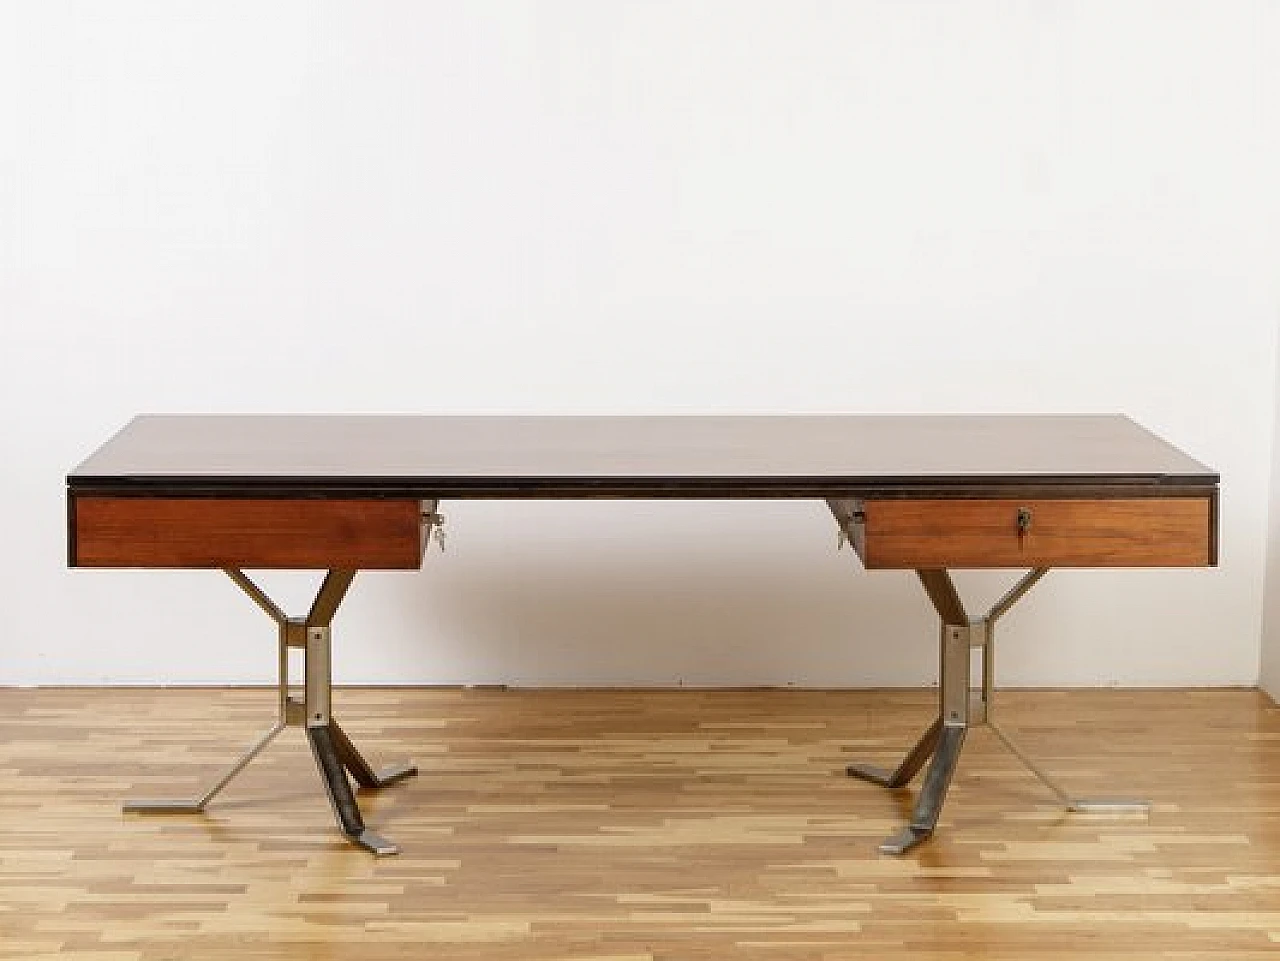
1024 521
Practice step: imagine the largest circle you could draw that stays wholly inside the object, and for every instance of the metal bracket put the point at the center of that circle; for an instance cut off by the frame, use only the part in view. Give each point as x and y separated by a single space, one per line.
849 519
334 753
432 525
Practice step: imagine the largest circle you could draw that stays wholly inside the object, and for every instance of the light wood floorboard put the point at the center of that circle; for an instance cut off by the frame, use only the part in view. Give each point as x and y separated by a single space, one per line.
629 825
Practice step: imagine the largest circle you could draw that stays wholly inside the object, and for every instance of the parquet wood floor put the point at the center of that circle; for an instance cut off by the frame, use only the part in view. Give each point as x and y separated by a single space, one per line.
637 826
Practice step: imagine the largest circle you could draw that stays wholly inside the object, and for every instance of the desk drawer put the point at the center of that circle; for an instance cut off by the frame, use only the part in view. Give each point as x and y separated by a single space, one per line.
1138 532
250 533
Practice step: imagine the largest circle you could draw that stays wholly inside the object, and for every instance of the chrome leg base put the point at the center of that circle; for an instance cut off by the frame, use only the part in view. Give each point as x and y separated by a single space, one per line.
163 806
904 840
334 752
943 743
179 806
374 844
393 773
351 758
335 755
1109 806
924 818
870 772
910 764
1073 804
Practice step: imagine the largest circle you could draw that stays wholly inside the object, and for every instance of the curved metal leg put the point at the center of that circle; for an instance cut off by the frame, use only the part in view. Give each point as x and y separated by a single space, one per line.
360 769
911 764
1081 805
945 736
932 794
343 800
1089 805
179 806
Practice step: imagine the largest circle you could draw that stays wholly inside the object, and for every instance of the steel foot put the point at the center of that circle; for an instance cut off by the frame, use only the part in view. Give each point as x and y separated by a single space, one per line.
163 806
374 844
869 772
181 806
904 840
910 765
360 769
391 774
1108 805
1078 805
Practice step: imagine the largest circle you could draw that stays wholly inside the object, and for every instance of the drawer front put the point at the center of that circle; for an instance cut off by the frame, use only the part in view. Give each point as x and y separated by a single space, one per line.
250 533
1139 532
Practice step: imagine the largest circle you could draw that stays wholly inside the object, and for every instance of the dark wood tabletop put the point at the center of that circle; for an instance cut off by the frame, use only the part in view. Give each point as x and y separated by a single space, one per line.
779 455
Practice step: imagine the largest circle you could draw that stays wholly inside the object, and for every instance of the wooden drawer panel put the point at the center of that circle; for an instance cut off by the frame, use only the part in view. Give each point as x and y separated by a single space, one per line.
221 532
1139 532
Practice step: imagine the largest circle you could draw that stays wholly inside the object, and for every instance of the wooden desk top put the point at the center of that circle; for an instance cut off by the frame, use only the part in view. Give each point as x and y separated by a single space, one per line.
631 456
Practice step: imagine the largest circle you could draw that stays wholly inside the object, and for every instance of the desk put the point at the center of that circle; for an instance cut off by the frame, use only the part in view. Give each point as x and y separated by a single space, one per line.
925 493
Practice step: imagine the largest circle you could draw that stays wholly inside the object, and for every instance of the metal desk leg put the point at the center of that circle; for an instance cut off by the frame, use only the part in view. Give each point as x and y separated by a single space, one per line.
942 742
946 737
334 753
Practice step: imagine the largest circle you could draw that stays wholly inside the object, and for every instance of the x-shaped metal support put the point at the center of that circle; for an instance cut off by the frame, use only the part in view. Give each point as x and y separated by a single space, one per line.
940 745
334 753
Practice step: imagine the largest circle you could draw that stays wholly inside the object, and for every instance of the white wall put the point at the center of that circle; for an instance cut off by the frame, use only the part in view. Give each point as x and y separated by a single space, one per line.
1270 666
602 206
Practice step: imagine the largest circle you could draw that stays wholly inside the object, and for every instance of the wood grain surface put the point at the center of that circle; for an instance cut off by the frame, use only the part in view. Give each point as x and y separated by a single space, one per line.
638 826
252 533
959 533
